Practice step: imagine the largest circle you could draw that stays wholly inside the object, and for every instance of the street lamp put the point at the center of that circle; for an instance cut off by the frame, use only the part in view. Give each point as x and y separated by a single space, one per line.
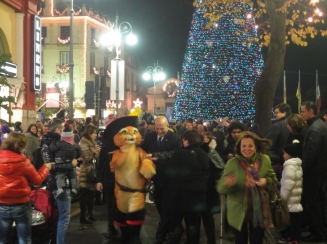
113 37
157 74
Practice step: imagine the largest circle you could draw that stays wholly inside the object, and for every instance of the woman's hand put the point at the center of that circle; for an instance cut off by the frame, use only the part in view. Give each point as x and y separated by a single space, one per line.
262 182
230 180
49 165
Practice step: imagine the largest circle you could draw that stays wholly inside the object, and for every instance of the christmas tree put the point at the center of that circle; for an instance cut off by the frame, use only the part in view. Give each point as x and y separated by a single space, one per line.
221 66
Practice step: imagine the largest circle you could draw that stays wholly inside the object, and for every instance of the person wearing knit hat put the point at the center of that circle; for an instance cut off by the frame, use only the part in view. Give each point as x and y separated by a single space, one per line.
109 119
65 150
291 190
5 131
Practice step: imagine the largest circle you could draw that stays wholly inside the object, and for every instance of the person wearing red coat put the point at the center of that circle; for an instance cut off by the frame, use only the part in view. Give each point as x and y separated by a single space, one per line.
16 175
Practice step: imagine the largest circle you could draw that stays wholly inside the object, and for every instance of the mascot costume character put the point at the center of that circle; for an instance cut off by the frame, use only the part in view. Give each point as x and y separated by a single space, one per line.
132 172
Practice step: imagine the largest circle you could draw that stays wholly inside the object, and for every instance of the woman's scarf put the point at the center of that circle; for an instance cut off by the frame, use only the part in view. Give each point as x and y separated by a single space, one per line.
261 212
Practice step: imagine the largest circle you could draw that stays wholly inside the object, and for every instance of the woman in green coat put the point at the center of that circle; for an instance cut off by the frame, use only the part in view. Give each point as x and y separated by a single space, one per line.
245 180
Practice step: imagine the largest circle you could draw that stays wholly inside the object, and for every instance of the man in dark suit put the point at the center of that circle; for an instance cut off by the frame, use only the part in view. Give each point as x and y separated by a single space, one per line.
160 144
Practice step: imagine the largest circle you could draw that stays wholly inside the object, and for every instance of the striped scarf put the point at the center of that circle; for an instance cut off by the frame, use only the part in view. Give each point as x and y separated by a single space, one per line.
261 212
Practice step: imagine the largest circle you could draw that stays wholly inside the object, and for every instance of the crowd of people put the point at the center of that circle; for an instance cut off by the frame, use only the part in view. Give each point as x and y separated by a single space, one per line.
196 161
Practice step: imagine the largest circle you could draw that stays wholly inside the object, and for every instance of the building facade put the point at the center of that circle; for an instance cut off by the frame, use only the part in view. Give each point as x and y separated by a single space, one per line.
17 35
165 96
91 58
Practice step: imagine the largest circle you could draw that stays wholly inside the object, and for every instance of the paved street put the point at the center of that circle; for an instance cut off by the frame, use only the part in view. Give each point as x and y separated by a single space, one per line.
95 233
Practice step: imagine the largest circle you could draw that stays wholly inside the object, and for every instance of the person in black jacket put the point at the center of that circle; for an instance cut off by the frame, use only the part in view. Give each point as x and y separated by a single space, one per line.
314 166
278 134
65 150
185 194
106 184
64 201
161 143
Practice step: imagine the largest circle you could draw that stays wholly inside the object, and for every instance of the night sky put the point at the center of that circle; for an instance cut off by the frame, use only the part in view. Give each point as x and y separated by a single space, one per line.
162 28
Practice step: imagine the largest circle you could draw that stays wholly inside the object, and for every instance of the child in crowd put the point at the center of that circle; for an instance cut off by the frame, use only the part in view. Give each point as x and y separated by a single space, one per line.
291 190
65 150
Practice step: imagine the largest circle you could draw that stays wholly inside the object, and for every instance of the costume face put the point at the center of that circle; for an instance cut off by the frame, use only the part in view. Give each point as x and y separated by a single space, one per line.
127 135
248 148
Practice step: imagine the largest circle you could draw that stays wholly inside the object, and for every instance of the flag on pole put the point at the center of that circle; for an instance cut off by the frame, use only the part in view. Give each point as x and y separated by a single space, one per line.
298 94
284 94
318 98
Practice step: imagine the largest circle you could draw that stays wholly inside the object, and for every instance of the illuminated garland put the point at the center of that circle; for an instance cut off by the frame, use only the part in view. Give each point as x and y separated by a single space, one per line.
63 13
112 104
171 87
63 68
220 67
38 12
62 41
96 70
96 43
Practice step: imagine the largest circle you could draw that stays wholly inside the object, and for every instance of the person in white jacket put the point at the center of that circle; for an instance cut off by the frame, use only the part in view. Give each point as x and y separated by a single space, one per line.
291 190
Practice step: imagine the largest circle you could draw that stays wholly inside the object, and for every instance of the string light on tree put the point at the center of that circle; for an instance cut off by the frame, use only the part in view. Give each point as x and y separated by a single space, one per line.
220 66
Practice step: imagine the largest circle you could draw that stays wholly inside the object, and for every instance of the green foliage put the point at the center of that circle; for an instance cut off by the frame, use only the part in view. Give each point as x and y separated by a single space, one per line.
5 101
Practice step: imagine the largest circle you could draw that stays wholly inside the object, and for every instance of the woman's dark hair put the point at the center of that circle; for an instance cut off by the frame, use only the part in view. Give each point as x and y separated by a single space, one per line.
30 127
193 137
235 125
261 144
209 135
89 130
14 142
296 122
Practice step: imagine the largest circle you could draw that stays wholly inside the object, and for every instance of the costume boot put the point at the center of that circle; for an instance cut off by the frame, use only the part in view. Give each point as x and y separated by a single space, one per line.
125 234
209 228
135 221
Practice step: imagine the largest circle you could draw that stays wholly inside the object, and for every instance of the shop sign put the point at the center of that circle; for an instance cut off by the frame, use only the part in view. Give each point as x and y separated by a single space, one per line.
36 79
10 68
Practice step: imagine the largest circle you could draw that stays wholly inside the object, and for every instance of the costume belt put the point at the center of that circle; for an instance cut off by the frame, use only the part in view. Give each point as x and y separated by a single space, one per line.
127 189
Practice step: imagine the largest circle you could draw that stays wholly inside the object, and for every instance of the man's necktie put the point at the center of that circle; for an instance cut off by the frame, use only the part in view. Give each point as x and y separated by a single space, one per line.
159 141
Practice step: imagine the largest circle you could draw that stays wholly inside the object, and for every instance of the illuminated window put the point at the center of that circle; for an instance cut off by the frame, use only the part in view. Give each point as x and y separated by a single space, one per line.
64 32
64 58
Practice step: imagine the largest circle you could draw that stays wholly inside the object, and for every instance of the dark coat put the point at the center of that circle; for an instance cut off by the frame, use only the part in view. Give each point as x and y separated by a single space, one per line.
65 152
186 175
314 159
104 174
213 176
170 143
48 156
278 134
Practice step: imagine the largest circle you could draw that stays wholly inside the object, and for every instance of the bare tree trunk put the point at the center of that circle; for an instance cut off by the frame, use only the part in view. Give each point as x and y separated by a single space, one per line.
265 87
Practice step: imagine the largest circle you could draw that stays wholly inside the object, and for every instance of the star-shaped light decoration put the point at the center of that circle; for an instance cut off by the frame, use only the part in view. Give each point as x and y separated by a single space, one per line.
137 103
